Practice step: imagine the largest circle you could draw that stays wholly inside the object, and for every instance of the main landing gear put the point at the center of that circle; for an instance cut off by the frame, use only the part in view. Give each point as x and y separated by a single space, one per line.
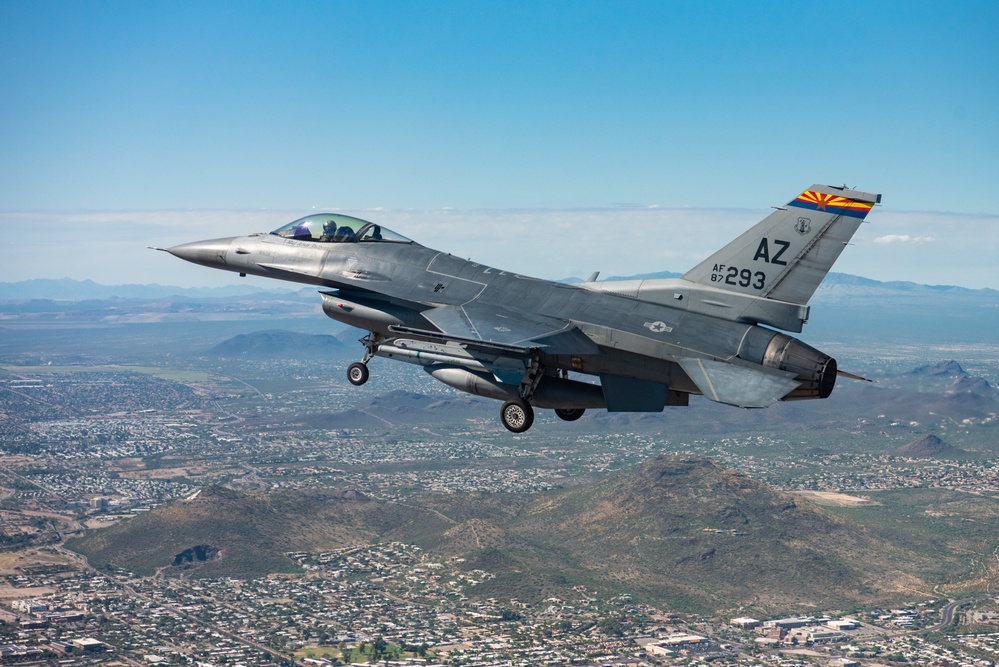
517 415
569 414
357 373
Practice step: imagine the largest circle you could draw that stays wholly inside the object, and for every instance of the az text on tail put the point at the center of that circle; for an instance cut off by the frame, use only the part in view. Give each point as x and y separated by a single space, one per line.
786 255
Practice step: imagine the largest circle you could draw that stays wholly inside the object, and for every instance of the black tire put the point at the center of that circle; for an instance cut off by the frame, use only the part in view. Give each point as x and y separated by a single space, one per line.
357 374
517 415
569 414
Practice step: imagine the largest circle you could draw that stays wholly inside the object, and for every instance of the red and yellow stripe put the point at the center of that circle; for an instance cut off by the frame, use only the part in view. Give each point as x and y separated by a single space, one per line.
820 201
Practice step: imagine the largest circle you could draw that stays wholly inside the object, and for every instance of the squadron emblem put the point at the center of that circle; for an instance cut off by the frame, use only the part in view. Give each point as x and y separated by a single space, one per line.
803 226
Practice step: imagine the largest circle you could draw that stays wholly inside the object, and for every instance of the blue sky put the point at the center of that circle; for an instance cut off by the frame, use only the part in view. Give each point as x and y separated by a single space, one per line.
127 124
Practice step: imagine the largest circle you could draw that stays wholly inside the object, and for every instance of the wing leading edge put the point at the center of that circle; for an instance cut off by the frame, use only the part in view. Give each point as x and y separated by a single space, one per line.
496 324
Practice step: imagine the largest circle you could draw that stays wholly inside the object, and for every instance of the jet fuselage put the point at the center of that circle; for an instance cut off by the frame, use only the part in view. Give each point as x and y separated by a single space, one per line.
514 337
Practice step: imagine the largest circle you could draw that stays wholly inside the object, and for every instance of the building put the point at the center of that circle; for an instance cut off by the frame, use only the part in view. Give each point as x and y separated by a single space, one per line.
32 606
679 641
62 647
745 623
14 651
789 623
659 649
819 635
89 644
815 634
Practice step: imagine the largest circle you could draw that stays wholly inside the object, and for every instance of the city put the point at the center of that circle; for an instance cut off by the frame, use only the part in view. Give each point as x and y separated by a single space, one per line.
88 446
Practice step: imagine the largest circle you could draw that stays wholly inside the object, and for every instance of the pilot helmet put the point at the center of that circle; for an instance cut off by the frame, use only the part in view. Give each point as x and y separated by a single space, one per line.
329 228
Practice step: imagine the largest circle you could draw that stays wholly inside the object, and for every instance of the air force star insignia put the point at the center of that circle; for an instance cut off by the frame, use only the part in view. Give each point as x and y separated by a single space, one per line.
658 327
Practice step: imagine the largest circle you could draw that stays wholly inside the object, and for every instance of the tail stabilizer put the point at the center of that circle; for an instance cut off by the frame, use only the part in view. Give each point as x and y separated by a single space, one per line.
787 254
743 387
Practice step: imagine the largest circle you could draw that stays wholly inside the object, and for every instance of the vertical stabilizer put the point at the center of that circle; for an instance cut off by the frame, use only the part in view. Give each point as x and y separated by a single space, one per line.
787 255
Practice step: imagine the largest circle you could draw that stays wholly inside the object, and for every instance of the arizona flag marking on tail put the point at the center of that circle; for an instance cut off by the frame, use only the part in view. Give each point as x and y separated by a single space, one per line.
785 256
820 201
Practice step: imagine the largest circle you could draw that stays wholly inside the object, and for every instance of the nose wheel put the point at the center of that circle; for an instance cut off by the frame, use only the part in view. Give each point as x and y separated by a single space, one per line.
517 415
357 373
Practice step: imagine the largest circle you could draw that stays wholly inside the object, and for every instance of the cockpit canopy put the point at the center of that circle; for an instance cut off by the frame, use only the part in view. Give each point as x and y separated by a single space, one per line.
337 228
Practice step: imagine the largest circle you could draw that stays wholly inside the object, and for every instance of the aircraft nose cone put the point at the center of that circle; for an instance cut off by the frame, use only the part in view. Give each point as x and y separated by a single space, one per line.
207 253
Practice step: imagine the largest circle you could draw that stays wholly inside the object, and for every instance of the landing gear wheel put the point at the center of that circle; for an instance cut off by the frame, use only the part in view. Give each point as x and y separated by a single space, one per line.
357 374
569 414
517 415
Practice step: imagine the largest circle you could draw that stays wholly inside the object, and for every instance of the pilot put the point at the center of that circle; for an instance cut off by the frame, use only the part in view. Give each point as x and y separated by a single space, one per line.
343 235
302 232
329 231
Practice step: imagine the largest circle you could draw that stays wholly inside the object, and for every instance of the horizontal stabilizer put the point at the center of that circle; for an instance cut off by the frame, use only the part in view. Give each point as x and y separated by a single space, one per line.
742 387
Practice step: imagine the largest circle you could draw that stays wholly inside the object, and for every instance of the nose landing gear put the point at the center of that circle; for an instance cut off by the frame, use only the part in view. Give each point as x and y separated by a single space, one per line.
357 372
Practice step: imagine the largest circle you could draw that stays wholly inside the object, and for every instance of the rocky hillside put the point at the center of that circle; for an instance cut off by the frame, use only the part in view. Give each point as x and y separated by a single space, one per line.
682 532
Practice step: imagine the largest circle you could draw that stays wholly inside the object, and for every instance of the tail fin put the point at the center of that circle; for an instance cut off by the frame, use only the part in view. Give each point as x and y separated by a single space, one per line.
787 255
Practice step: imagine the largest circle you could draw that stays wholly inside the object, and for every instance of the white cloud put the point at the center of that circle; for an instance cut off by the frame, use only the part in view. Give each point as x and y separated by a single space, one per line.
110 247
903 238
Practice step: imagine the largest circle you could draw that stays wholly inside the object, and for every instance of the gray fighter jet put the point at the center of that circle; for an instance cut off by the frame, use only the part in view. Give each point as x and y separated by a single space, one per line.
651 343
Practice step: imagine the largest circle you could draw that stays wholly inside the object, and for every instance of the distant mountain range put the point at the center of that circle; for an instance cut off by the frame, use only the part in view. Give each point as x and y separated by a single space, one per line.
845 307
72 290
76 290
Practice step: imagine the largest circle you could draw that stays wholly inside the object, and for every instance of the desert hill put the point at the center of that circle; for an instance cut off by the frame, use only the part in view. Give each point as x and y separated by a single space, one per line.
930 447
683 532
248 532
948 368
688 530
278 343
400 407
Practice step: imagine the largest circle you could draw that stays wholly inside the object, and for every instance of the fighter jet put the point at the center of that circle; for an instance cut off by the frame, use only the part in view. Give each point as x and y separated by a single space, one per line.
533 343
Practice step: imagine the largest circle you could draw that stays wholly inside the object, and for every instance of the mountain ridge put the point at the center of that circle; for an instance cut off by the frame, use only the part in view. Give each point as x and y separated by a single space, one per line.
676 529
69 289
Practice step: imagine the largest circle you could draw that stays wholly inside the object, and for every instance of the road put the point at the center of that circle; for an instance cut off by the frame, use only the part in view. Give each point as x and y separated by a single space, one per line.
947 614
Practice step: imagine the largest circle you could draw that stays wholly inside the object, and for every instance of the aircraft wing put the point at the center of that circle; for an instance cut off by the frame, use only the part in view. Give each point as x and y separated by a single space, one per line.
740 386
476 322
